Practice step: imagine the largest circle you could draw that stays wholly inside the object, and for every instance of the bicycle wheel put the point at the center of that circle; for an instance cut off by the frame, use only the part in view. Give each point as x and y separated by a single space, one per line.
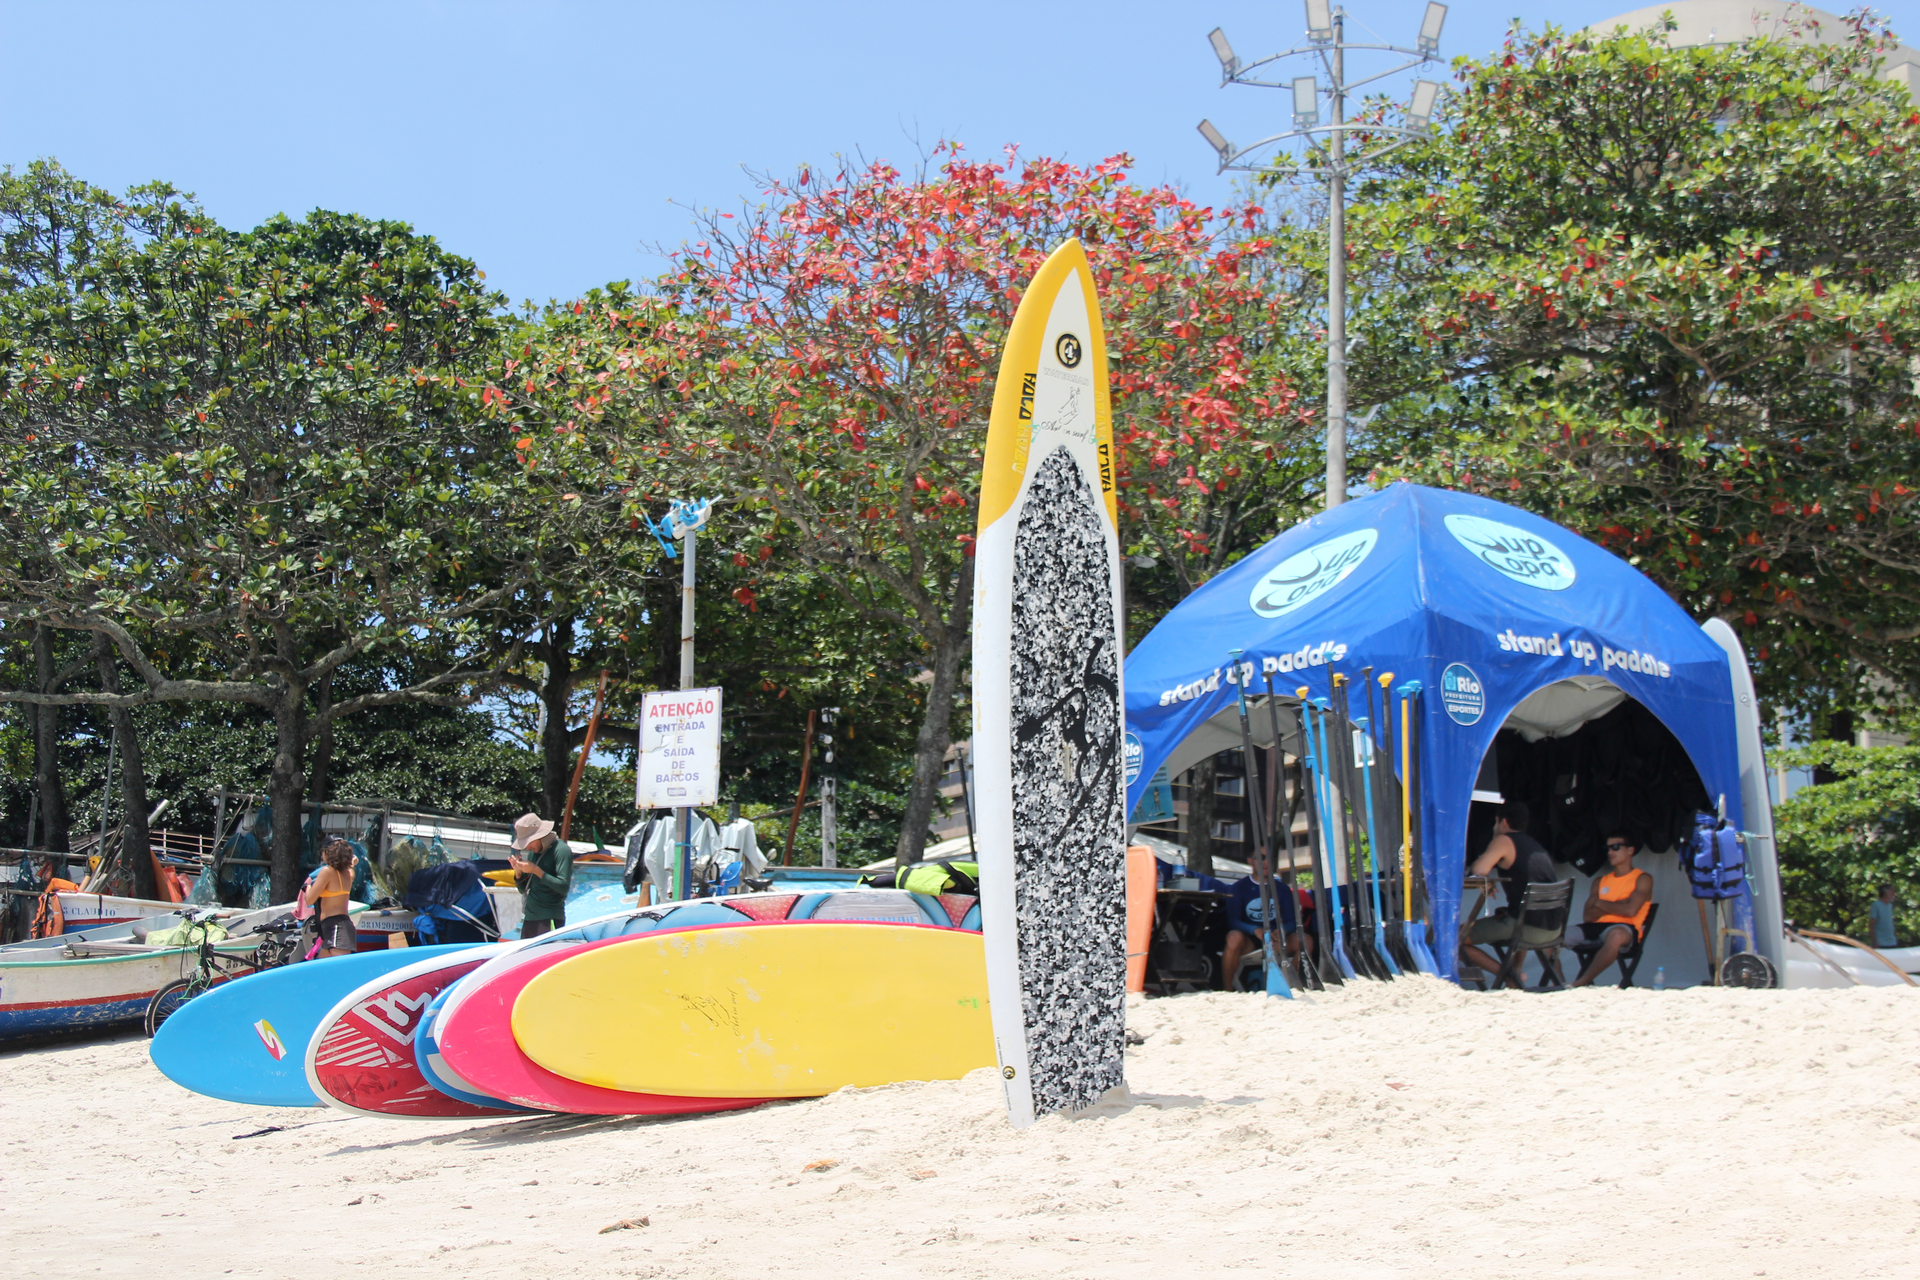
171 997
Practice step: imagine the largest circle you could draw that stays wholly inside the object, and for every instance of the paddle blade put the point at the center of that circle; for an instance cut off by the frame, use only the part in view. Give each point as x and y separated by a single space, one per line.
1418 946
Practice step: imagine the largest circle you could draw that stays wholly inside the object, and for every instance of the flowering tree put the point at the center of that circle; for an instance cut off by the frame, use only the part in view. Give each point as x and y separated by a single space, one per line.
827 359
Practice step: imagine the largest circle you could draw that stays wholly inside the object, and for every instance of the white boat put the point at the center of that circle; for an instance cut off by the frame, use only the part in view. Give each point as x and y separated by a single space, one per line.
80 912
106 975
1812 962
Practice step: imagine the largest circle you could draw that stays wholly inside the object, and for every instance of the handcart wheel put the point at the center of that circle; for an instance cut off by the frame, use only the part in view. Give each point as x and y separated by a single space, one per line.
1748 969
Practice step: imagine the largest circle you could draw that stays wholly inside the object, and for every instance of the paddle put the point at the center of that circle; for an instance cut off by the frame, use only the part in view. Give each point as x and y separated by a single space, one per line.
1318 969
1323 799
1394 925
1373 839
1415 932
1276 981
1363 955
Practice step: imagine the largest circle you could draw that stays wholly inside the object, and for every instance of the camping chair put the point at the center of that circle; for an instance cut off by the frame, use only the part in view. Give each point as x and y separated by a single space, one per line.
1629 957
1541 896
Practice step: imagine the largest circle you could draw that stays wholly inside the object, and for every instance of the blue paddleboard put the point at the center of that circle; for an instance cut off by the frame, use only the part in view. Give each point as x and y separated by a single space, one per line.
246 1041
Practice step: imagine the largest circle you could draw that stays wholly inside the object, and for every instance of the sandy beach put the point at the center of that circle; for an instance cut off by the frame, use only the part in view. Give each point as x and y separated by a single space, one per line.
1385 1130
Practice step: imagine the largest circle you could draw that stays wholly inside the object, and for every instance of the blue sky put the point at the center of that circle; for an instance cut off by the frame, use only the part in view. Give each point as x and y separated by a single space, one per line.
556 143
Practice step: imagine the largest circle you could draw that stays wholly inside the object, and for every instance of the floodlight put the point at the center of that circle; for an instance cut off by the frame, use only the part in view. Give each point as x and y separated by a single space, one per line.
1429 41
1306 102
1217 141
1229 63
1319 21
1420 110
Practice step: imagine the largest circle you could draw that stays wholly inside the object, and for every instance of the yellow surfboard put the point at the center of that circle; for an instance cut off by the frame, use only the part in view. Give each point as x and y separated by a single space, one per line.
770 1011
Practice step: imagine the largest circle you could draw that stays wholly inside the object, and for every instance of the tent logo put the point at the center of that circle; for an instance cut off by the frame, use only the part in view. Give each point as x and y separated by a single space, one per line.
1523 556
1461 692
1304 577
1135 754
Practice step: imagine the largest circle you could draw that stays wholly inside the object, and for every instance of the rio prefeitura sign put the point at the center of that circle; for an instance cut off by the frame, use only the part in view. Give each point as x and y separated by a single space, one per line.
679 749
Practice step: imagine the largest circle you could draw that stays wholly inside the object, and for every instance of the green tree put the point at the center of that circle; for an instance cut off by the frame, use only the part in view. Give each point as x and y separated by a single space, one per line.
53 227
1668 297
247 459
1841 840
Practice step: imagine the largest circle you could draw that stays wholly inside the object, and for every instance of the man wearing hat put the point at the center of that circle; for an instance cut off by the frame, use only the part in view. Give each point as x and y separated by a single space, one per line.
544 875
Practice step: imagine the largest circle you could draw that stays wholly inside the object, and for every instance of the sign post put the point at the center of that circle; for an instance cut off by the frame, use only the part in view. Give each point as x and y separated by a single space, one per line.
679 760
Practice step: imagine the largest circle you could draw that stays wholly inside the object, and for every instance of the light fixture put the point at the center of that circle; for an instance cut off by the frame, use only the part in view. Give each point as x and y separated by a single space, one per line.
1420 110
1320 20
1429 41
1217 141
1229 62
1306 102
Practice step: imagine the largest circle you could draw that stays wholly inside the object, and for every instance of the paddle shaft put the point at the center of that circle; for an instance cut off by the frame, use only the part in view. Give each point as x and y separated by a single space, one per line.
1303 795
1254 812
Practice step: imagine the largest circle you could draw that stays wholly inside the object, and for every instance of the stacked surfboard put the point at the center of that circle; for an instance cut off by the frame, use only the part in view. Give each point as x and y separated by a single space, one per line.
691 1007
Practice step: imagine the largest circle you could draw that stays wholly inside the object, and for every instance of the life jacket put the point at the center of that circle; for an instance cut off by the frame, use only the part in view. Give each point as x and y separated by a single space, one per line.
1714 859
49 917
932 879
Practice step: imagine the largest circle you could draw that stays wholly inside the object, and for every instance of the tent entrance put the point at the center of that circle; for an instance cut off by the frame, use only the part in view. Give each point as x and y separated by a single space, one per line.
1587 759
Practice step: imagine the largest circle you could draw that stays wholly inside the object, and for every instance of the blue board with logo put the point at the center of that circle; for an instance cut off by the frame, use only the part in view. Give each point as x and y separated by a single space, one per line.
246 1041
1480 602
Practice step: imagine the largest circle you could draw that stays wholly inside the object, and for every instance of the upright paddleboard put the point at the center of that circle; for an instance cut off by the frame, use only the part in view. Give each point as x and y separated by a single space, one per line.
793 1009
1047 708
246 1040
361 1058
475 1039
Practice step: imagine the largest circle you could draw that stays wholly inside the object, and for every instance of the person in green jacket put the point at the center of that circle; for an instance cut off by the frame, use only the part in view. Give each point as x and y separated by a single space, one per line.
544 875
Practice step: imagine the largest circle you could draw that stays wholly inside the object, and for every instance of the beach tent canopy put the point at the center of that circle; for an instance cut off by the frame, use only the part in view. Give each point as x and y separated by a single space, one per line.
1494 612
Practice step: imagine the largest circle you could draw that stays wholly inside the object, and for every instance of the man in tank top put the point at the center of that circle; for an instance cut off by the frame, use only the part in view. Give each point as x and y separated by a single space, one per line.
1521 860
1617 907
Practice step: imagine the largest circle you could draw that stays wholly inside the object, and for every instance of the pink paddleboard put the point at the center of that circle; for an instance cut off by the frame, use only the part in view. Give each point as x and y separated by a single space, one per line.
361 1057
476 1039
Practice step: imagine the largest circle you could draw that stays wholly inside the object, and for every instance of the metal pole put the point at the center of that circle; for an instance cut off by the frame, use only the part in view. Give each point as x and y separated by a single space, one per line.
683 860
1337 280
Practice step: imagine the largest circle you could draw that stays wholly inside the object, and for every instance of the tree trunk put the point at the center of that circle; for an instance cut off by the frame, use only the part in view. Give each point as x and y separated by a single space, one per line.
136 844
930 750
54 819
556 739
319 776
286 788
1200 782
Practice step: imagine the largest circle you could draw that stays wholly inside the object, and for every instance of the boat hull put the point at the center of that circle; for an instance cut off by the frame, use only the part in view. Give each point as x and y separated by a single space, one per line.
72 994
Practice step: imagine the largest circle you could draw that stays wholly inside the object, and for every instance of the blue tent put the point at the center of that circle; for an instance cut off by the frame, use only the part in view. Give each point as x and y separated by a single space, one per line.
1482 603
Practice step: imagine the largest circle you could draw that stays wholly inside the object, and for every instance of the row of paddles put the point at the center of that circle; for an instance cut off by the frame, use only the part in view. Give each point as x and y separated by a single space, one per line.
1339 787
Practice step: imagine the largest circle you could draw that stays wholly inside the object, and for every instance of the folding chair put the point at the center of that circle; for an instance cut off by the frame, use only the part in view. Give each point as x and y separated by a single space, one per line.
1629 957
1551 897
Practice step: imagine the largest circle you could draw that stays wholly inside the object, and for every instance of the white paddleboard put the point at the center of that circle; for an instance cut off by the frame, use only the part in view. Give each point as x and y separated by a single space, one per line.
1048 712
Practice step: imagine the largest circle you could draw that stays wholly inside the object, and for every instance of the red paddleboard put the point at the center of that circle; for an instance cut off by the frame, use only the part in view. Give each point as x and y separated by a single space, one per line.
476 1040
361 1058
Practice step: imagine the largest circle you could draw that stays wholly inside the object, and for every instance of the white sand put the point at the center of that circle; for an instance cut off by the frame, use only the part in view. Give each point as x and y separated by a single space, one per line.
1676 1134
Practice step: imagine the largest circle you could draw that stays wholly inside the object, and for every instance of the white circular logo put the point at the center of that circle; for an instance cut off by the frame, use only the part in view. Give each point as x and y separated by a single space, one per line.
1136 754
1462 694
1523 556
1305 576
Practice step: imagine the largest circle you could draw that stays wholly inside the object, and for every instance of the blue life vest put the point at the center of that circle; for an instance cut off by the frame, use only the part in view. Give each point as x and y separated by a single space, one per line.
1714 859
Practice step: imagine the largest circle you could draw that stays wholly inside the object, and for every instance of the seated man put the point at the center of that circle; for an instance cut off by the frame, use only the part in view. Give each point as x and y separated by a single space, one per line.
1522 861
1617 906
1246 920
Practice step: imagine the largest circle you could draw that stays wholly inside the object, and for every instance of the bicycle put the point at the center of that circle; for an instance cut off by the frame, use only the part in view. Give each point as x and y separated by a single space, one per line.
279 947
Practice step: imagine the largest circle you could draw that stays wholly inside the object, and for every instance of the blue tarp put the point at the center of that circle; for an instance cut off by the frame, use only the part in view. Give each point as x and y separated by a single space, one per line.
1480 602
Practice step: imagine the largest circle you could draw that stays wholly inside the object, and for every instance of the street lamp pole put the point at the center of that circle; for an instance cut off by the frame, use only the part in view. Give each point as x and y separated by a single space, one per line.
1337 277
1326 39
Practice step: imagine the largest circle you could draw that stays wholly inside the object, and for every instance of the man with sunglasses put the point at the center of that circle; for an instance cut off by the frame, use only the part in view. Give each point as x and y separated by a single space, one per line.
1617 907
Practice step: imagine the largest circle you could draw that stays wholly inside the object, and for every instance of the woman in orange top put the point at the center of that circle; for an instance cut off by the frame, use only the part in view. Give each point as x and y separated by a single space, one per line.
1617 907
329 890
